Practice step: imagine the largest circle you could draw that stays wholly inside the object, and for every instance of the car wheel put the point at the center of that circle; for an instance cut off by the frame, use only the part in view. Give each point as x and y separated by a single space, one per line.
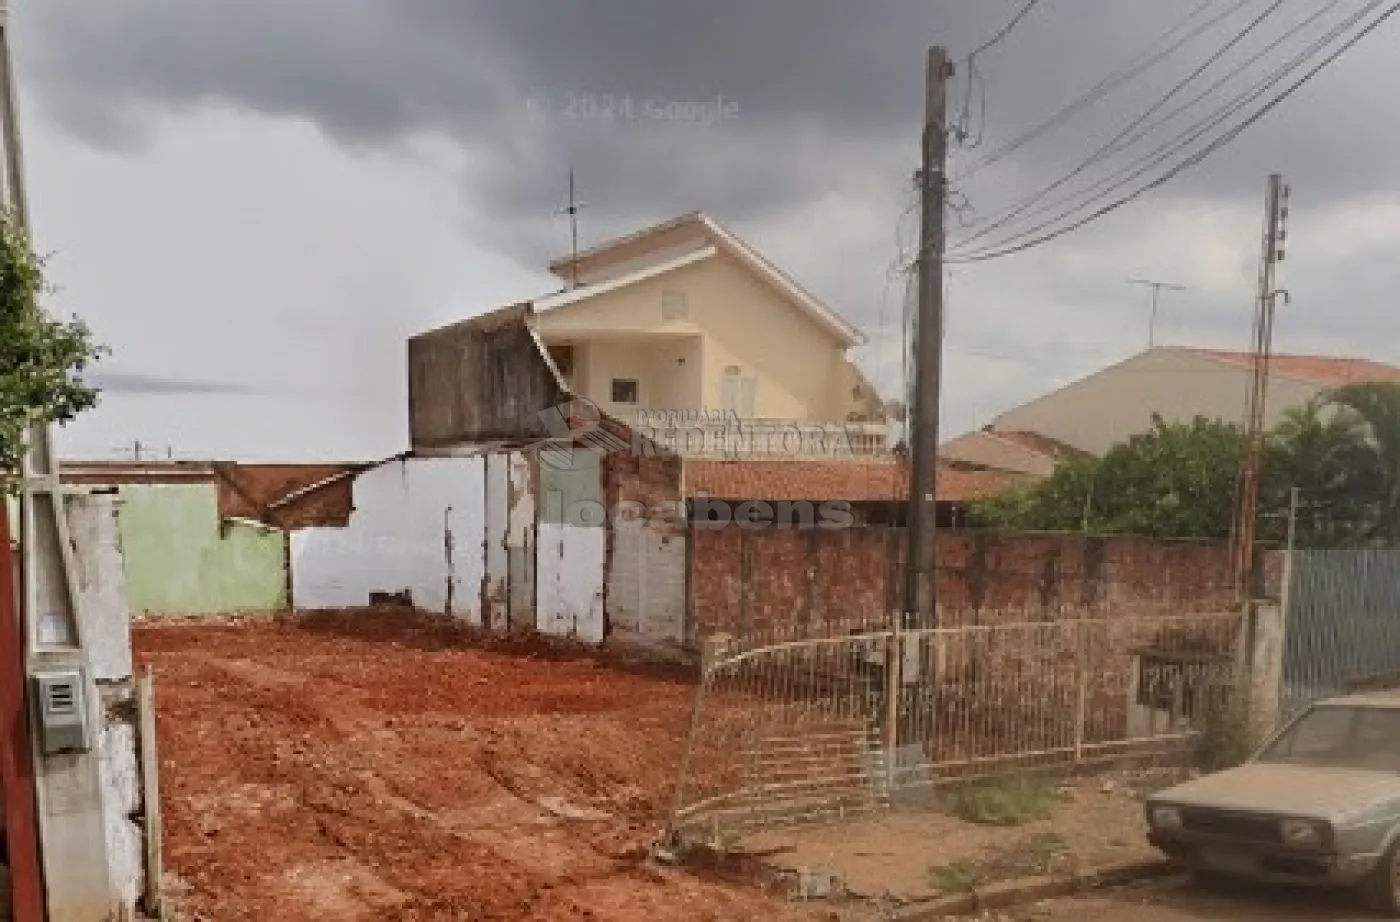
1382 889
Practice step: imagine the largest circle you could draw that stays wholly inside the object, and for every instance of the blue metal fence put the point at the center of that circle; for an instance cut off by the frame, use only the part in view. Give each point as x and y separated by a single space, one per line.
1343 623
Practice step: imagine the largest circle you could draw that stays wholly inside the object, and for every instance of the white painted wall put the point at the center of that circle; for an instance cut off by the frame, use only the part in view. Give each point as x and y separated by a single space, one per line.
646 584
520 541
497 525
104 619
398 538
569 581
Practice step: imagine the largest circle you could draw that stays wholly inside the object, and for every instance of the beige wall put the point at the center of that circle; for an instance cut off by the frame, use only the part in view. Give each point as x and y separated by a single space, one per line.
735 319
663 380
752 326
1094 413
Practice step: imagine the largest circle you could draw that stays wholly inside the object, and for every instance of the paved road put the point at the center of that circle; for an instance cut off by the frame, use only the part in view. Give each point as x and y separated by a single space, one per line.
1176 900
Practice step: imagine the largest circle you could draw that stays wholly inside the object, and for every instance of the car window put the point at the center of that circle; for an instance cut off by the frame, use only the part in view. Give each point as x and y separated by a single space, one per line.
1321 733
1376 738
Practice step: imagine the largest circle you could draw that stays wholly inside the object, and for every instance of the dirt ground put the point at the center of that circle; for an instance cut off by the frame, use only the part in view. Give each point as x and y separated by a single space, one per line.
1179 900
386 767
907 856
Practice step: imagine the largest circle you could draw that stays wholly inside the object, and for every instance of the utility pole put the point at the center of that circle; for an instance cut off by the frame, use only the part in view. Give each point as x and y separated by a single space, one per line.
572 209
1157 288
67 786
920 577
1256 398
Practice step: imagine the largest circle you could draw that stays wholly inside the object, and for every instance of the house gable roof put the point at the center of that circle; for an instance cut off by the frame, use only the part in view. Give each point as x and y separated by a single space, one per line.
1325 371
730 244
587 292
1035 443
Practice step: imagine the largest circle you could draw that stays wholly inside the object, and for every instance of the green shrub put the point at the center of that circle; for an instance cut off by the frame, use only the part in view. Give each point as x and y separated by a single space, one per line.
1011 800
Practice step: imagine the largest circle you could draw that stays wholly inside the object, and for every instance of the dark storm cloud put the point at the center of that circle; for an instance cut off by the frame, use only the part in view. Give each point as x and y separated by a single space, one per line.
814 84
118 382
823 92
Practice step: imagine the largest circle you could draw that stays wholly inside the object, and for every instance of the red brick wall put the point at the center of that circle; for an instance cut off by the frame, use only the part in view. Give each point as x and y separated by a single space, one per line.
745 581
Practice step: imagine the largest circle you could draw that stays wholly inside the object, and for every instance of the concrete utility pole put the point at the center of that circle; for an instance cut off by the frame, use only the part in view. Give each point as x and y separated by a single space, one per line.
72 831
920 577
1157 288
1256 398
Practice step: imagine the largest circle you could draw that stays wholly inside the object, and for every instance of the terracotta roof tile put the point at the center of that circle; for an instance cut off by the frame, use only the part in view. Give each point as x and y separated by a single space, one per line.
1317 369
853 481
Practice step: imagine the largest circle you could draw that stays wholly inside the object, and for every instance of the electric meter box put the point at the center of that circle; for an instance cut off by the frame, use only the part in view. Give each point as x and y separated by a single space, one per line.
62 712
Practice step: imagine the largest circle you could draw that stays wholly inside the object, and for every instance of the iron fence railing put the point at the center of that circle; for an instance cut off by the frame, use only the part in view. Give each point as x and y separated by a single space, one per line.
810 728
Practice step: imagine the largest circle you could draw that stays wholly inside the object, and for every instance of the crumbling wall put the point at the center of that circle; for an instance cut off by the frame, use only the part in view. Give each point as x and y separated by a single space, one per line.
646 551
417 530
105 623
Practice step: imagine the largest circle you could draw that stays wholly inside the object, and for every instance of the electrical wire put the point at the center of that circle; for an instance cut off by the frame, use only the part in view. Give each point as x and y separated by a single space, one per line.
1110 146
1182 141
961 130
1105 86
1095 189
1006 29
1196 158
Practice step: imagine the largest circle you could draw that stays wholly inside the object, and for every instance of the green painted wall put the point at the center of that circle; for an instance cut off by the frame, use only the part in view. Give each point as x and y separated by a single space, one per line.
178 562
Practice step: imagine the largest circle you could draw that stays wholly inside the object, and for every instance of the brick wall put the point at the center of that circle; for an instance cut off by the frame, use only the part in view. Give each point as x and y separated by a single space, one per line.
746 581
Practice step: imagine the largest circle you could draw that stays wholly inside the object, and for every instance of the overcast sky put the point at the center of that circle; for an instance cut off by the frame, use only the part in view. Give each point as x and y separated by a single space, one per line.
255 203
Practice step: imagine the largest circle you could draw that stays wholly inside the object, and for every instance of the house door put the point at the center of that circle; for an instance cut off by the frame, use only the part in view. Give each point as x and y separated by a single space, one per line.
737 393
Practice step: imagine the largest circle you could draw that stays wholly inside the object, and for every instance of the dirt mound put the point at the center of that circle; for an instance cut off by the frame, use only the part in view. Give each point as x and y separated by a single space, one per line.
387 766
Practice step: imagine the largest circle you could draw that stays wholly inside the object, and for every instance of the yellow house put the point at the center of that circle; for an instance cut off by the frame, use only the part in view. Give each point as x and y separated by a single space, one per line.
683 328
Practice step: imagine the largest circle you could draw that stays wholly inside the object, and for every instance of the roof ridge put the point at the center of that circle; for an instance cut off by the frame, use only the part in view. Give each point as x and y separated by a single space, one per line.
560 262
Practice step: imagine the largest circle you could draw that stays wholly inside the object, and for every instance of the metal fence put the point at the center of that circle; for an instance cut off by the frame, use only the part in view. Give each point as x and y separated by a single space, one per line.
1342 625
811 728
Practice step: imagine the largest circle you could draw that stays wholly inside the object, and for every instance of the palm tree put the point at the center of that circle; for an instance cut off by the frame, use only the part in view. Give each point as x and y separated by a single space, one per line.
1377 408
1323 449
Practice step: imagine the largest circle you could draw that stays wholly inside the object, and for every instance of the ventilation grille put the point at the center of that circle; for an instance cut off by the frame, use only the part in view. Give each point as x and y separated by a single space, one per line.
62 699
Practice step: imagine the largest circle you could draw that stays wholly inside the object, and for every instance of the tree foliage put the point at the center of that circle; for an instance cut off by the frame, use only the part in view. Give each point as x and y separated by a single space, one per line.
1340 451
1175 479
41 359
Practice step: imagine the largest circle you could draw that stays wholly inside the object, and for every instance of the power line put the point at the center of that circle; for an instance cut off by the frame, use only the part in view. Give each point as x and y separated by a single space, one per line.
1110 146
1195 158
1182 141
1105 86
1156 156
1006 29
962 131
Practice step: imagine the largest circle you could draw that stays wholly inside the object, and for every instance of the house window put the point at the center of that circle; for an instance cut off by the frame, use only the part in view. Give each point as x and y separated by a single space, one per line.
737 392
624 390
674 305
1181 684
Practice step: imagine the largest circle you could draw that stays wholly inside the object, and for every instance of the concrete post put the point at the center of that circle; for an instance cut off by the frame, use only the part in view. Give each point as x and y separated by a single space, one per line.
1264 680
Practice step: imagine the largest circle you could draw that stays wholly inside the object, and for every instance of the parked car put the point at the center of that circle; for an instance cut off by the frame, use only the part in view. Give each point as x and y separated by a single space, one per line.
1318 805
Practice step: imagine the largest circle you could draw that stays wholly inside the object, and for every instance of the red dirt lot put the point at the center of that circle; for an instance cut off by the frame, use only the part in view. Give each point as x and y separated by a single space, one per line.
383 766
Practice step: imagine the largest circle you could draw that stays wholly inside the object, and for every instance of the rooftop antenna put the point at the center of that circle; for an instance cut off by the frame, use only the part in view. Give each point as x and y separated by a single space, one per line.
572 209
1157 288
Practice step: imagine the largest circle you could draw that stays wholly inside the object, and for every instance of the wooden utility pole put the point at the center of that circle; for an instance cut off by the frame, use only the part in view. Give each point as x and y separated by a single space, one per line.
920 577
1256 398
1157 288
